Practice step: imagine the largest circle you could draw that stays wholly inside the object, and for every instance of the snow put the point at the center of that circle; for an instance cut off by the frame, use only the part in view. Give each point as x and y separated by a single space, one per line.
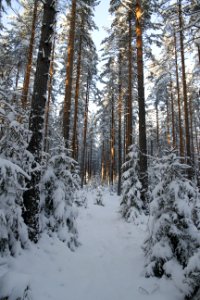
108 265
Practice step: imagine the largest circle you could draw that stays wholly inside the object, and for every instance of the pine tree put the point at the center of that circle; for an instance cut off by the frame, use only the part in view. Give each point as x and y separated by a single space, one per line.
58 185
131 204
31 196
173 234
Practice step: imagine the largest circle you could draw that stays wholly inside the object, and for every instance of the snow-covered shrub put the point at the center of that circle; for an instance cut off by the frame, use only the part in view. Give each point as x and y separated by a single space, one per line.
58 186
13 231
192 276
131 204
15 286
173 237
99 197
80 199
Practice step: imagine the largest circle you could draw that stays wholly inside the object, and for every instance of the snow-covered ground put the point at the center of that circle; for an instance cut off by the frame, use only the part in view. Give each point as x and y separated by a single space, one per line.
107 266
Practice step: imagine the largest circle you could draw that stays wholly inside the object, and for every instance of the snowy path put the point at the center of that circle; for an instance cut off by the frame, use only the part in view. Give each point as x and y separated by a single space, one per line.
107 266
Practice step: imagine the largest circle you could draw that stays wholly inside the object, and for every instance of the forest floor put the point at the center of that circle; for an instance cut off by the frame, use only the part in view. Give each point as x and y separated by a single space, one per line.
107 266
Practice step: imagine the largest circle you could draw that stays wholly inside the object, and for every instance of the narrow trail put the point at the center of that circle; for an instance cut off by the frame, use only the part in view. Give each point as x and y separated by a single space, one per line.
107 266
110 259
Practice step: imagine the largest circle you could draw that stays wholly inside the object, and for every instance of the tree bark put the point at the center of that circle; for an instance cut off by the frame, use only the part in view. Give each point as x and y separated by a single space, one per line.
112 143
129 104
31 196
141 100
198 49
157 128
185 97
168 139
173 118
119 124
78 74
47 110
181 145
85 132
69 72
24 98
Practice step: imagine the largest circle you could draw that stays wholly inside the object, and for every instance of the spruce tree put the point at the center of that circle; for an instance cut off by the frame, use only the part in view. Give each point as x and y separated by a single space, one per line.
131 204
173 234
58 186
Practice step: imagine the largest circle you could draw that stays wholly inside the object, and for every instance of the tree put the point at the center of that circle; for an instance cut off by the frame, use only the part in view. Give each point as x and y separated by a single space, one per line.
30 57
31 196
131 204
13 233
141 100
173 235
69 70
185 97
59 184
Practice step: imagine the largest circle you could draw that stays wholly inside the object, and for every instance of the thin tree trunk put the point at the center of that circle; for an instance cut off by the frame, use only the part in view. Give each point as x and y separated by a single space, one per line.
69 72
191 128
24 98
181 146
103 164
74 136
185 98
16 82
198 48
141 100
85 131
31 196
157 128
173 119
129 106
47 110
119 124
112 142
90 158
168 125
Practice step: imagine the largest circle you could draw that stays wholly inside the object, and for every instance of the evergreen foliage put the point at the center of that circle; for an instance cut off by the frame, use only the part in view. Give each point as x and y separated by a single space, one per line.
99 197
58 185
131 204
15 165
173 238
13 232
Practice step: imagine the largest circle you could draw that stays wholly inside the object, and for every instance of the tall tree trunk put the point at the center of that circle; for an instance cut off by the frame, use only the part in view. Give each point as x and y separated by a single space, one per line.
103 163
112 143
27 76
69 72
181 146
185 97
198 49
141 100
168 138
31 196
119 124
173 118
47 109
90 158
78 74
191 128
16 82
157 128
85 131
129 104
